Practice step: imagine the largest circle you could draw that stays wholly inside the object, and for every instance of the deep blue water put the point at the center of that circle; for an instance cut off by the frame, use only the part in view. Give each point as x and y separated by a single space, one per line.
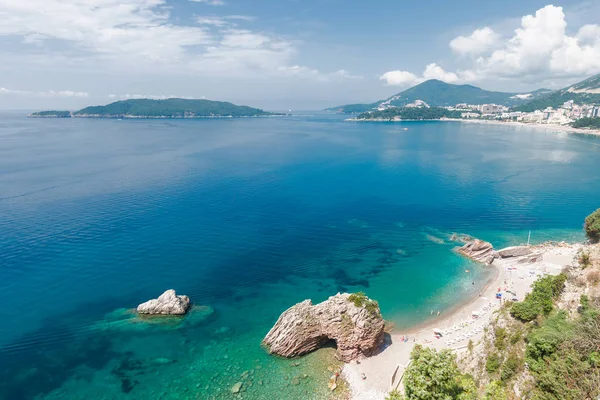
248 217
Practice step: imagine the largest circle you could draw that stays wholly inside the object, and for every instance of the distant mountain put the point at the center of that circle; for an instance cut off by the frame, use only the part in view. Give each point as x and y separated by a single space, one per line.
584 92
439 94
168 108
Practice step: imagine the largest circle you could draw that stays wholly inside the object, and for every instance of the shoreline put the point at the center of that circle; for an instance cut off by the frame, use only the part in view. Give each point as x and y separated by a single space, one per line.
512 275
560 128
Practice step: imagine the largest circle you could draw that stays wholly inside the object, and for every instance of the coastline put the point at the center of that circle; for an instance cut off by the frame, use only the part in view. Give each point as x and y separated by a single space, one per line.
553 127
514 275
560 128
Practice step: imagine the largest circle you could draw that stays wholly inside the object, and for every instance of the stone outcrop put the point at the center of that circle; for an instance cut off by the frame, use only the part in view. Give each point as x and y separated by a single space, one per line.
515 251
479 250
355 323
169 303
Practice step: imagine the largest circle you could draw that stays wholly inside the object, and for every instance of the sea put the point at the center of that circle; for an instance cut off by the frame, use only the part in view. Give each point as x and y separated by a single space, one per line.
249 216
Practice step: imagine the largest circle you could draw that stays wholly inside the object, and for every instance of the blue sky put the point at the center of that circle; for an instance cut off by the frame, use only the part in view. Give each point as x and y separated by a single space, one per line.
286 54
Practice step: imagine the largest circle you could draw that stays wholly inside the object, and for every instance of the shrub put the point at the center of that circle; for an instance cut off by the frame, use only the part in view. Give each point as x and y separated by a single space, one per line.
494 391
539 301
592 226
510 367
593 277
434 375
493 363
360 299
394 395
500 334
515 336
585 260
545 341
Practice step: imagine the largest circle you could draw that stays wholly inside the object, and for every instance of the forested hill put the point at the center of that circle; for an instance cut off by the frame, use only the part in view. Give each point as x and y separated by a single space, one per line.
440 94
168 108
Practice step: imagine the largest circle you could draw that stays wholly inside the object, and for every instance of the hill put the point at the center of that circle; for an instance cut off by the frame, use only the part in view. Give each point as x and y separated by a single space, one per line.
408 113
439 94
584 92
168 108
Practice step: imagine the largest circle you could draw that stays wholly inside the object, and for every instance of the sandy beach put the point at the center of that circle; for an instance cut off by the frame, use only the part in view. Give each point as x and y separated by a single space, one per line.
513 280
551 127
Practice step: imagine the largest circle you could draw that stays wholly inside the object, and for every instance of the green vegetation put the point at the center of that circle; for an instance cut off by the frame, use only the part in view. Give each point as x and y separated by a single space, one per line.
585 260
411 113
592 226
511 366
434 375
540 300
168 108
51 114
493 363
439 94
394 395
559 97
500 334
563 356
360 299
495 391
354 108
593 123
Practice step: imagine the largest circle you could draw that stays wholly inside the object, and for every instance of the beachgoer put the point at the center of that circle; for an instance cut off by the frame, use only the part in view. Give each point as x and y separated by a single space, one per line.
363 376
438 313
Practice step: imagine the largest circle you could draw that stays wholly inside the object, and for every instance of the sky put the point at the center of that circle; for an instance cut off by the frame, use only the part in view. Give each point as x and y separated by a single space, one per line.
285 54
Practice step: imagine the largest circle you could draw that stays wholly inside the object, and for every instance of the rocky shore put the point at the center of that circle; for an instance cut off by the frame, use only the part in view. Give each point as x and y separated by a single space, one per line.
353 321
517 269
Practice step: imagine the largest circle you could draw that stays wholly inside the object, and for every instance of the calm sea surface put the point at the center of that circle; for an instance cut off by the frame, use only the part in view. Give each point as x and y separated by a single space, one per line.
248 217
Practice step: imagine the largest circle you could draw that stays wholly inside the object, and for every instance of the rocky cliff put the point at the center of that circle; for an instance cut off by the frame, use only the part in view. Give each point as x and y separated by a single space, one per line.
479 250
353 321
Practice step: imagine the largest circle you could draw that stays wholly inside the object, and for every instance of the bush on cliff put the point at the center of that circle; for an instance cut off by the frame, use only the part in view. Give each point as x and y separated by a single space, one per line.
360 299
592 226
434 375
540 300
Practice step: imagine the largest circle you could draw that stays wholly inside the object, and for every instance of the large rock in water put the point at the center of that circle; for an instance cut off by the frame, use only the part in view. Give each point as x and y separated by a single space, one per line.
168 303
479 250
515 251
355 323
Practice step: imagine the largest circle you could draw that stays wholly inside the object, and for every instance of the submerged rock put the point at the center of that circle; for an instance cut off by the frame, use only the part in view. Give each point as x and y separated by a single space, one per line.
355 323
236 388
479 250
167 303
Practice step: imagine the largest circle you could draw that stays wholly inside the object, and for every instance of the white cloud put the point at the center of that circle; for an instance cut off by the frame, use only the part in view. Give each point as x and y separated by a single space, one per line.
225 21
305 72
434 71
210 2
214 21
400 78
49 93
138 35
406 78
541 49
480 41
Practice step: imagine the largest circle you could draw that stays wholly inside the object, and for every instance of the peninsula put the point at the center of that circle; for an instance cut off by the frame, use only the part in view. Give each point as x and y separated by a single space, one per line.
168 108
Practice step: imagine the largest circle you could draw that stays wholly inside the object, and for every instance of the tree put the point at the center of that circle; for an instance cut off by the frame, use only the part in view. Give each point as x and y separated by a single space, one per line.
435 375
592 226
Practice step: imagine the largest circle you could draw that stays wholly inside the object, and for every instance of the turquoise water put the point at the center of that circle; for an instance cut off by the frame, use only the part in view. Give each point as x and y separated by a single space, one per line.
248 217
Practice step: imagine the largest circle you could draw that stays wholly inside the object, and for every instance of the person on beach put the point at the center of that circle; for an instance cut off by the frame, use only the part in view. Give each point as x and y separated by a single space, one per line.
438 313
